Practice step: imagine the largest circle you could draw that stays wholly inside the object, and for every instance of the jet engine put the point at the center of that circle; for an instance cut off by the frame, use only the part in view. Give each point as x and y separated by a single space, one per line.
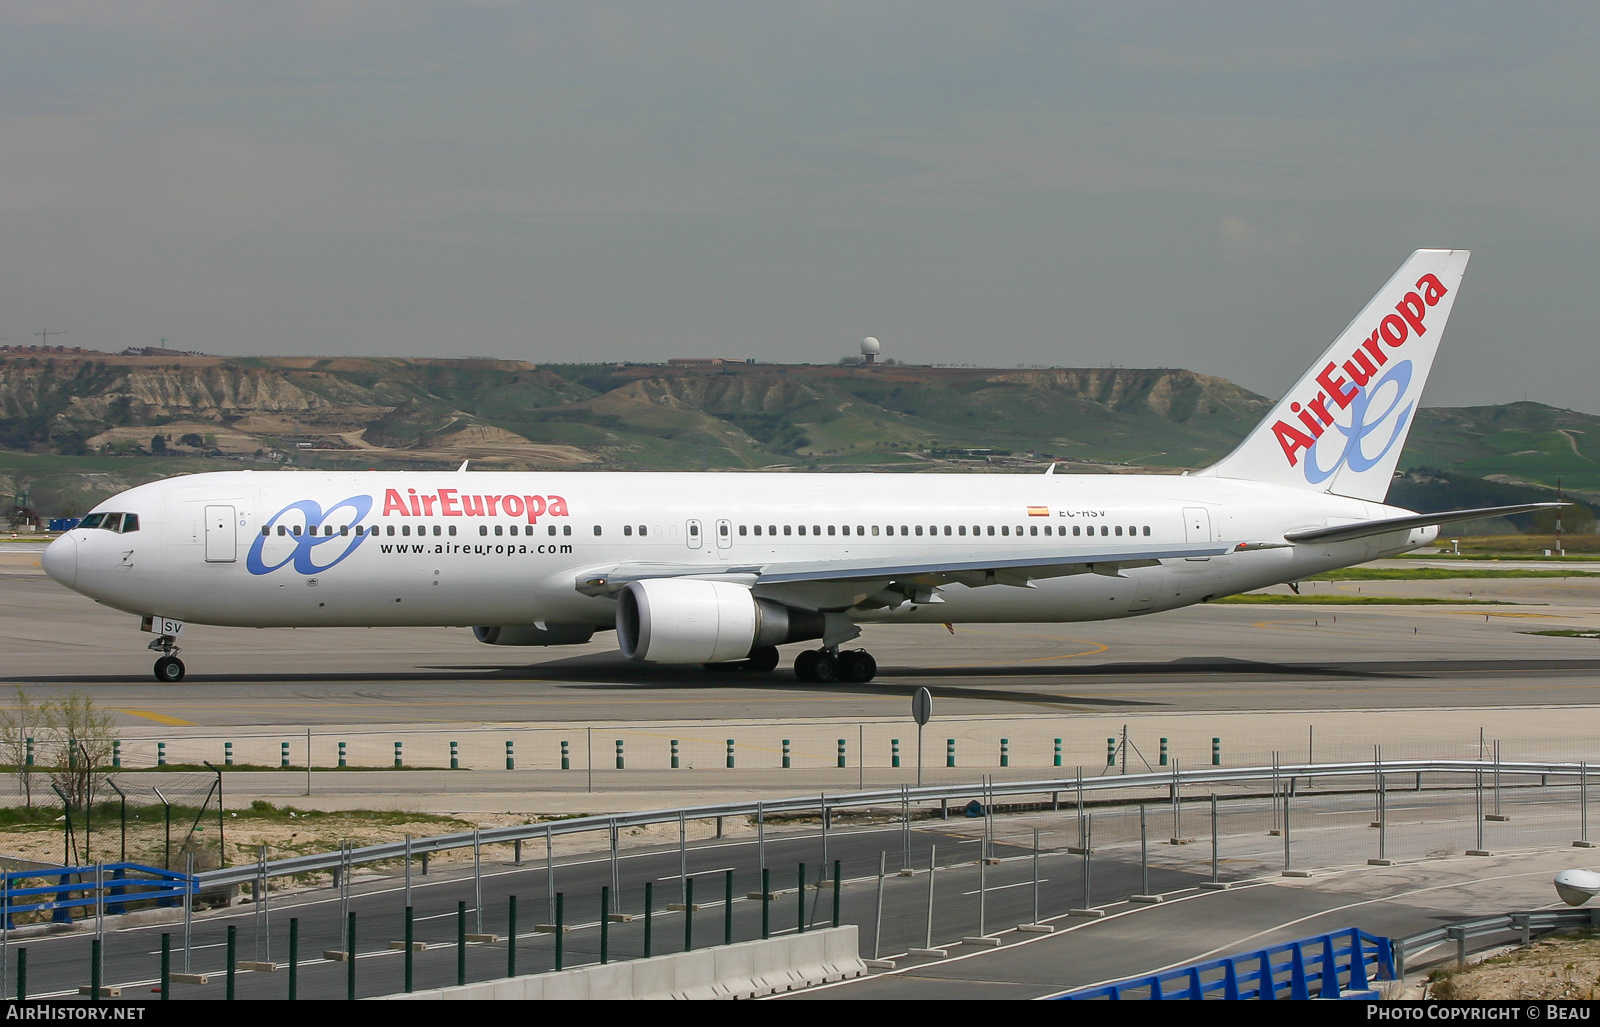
688 620
532 634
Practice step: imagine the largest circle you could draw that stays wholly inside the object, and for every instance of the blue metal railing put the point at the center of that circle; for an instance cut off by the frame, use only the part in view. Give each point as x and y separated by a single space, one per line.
1343 964
123 883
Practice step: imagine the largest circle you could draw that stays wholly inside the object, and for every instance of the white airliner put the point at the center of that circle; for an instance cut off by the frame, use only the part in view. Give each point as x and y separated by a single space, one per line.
721 569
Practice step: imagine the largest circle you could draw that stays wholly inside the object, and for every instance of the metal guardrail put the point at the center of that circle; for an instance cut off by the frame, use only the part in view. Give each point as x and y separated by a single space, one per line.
1177 780
1465 933
1313 967
112 894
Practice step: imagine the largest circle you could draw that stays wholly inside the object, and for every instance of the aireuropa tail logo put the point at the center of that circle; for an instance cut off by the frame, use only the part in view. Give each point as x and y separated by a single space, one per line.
303 548
1374 401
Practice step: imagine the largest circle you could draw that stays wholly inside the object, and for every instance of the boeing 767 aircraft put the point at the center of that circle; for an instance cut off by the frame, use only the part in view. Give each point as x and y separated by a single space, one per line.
722 569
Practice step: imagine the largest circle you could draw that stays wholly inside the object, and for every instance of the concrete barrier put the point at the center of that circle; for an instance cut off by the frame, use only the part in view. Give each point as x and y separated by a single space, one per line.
748 969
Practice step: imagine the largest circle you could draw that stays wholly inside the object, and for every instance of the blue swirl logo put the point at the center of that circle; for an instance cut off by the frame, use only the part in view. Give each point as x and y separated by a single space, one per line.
304 555
1354 454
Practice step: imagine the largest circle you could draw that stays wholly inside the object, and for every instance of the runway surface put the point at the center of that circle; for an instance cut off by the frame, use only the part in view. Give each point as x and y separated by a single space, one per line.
1211 658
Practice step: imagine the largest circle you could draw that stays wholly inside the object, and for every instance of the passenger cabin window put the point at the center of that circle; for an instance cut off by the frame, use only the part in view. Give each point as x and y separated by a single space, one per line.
742 530
627 529
830 529
483 529
597 530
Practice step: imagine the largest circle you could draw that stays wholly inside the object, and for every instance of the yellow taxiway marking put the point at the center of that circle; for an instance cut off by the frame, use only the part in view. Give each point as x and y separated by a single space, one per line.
159 718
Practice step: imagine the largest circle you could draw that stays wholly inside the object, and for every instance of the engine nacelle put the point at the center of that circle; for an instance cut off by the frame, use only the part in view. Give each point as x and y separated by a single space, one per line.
687 620
531 634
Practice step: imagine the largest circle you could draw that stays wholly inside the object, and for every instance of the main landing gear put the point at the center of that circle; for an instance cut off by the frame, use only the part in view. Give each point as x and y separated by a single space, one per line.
168 668
827 666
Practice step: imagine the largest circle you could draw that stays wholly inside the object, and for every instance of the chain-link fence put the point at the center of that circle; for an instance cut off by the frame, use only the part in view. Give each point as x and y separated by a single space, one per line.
154 819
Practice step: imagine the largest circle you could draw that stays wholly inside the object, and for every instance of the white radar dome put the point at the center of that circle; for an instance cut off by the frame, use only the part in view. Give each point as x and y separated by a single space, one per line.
1577 886
870 346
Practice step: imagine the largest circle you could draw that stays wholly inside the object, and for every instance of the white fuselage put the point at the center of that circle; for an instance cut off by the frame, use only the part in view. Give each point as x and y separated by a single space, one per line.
430 552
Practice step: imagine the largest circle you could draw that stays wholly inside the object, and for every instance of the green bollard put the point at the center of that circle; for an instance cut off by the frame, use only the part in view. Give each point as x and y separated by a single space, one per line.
166 966
894 752
399 761
674 754
785 754
283 754
1058 752
511 759
841 752
30 752
1163 752
730 754
1005 752
949 752
341 755
161 754
619 754
649 911
511 936
116 752
566 763
455 756
1111 752
227 754
1216 752
294 958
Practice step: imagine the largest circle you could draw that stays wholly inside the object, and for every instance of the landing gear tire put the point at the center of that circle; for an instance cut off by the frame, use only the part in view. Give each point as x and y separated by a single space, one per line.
761 660
805 665
858 666
169 669
817 665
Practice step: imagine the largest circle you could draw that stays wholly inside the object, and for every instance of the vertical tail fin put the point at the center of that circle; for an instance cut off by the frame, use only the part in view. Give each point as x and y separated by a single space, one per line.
1343 425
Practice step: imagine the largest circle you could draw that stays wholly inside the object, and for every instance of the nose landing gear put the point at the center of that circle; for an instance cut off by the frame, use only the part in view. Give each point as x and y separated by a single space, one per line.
827 666
168 668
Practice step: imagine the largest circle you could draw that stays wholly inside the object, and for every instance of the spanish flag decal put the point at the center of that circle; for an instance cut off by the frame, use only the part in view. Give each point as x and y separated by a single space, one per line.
1038 511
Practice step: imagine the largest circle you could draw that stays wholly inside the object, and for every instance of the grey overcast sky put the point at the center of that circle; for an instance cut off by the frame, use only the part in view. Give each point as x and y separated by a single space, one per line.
1217 186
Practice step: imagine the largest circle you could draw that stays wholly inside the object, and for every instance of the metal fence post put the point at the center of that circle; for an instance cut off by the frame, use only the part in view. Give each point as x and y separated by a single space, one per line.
461 941
350 963
166 966
1214 839
1088 845
877 920
294 958
727 908
649 914
933 866
800 892
838 886
1478 793
1144 853
511 933
1583 804
410 937
766 903
232 951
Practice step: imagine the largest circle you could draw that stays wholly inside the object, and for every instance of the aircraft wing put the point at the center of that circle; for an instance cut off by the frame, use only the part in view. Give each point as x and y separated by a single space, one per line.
921 574
1362 529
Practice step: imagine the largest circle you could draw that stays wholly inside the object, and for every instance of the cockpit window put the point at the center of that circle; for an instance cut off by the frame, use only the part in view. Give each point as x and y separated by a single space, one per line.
122 522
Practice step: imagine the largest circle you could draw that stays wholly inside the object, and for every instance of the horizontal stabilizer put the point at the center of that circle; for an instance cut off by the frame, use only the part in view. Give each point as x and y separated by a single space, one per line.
1362 529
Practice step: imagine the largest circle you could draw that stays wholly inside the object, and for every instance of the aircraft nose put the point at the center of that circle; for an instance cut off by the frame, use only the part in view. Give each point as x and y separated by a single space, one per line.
60 560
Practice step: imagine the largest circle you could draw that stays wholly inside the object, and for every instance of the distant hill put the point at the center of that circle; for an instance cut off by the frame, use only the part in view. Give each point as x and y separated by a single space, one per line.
80 426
